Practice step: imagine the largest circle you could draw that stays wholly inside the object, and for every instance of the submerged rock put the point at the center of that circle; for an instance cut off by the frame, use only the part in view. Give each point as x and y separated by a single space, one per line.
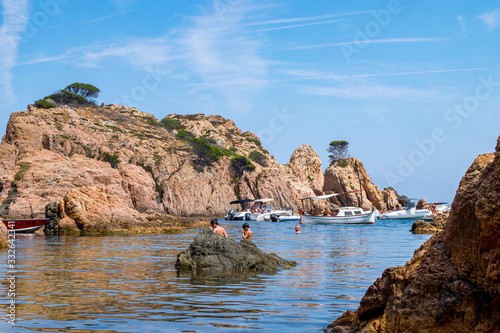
212 252
452 283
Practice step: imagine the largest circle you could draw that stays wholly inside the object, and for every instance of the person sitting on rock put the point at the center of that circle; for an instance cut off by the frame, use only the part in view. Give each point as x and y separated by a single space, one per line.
220 230
246 233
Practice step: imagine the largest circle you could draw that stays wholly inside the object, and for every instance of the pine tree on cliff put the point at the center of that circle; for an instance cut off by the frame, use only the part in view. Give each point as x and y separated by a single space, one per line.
339 152
85 90
75 93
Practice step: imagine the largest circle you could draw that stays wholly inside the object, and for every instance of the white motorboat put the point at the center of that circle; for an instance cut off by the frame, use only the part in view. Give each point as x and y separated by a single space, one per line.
262 212
287 217
406 214
344 215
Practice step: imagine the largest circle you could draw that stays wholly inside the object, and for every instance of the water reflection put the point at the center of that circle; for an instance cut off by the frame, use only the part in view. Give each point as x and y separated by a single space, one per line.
129 284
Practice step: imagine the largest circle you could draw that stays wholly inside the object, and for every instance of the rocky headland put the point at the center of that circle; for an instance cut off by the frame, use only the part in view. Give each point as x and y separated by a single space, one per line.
112 167
452 283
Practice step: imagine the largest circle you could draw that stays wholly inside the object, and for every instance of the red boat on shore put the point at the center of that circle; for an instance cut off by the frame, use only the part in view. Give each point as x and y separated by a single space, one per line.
25 225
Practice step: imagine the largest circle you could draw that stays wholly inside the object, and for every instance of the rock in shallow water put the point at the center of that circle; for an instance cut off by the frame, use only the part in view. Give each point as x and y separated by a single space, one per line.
212 252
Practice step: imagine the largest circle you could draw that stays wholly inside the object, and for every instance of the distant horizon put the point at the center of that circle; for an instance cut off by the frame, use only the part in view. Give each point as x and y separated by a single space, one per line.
413 87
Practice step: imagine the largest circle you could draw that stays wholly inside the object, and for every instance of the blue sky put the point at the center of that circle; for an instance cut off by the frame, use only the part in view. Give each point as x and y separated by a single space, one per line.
413 86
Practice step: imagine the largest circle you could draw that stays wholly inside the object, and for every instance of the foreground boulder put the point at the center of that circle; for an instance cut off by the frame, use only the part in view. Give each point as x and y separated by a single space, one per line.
212 252
452 283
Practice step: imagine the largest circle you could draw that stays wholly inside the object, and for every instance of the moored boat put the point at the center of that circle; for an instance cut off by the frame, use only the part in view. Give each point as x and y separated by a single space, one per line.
406 214
25 225
261 210
288 217
344 215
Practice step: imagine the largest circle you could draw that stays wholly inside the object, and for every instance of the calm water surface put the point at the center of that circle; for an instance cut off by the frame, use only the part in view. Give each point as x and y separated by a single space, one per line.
129 283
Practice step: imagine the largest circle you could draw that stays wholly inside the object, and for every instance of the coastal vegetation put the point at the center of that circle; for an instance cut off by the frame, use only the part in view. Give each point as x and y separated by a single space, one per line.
241 163
23 168
171 124
258 157
256 141
42 103
339 152
112 159
74 94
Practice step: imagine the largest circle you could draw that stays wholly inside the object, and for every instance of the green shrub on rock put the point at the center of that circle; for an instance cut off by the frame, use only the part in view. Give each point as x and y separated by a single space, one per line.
42 103
257 142
241 163
170 123
111 159
258 157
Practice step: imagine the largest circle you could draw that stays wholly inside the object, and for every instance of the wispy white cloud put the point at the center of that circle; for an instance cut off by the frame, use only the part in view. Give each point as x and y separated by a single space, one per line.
370 92
224 58
368 41
143 54
15 19
103 18
322 75
41 58
213 50
305 19
491 19
297 25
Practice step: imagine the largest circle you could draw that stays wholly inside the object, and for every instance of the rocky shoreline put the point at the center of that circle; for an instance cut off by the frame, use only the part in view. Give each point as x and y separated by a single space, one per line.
112 167
452 283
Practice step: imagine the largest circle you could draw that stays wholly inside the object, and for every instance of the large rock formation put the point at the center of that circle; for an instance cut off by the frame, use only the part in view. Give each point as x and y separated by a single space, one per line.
306 166
211 252
349 179
182 167
452 283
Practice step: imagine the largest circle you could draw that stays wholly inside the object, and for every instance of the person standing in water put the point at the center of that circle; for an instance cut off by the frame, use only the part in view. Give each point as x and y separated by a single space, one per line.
297 229
246 233
214 225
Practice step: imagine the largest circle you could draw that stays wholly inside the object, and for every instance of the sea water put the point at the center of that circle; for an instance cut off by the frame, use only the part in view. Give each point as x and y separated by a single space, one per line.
129 283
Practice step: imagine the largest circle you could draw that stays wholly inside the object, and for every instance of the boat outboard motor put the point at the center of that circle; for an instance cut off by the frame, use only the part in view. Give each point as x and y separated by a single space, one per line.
247 216
274 218
230 215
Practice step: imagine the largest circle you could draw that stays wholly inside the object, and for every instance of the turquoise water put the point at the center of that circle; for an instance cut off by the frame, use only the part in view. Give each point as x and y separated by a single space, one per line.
129 283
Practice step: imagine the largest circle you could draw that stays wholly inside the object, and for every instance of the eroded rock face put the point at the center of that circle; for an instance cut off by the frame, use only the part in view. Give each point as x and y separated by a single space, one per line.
452 282
212 252
342 179
306 166
129 154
